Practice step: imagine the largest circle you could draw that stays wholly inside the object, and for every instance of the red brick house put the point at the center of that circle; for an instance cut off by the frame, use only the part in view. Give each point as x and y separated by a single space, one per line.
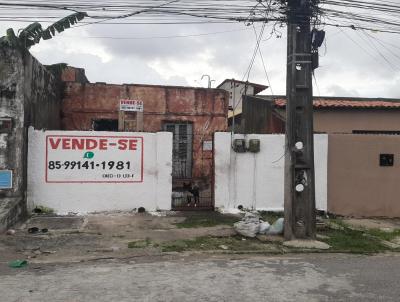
192 114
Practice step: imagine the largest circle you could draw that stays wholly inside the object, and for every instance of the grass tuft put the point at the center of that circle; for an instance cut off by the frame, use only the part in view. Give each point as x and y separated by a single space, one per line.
360 241
384 235
207 219
270 217
139 244
207 243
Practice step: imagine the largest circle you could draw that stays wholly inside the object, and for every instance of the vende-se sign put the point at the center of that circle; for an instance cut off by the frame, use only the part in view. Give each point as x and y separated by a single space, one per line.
94 159
131 105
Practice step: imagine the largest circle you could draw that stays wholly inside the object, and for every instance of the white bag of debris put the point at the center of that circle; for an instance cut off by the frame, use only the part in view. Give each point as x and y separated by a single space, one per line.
264 227
276 228
247 229
249 226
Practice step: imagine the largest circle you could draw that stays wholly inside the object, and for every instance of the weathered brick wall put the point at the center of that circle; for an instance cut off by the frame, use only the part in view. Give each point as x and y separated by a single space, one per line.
206 109
29 95
72 74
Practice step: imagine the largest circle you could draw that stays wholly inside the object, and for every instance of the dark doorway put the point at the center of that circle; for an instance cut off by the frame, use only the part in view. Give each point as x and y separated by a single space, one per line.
182 149
188 192
105 125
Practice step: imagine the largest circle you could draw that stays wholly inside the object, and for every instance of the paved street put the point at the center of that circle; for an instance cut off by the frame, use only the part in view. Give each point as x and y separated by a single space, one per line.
313 277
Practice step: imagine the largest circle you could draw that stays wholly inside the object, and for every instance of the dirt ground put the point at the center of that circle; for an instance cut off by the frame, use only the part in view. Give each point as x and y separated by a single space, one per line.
378 223
95 236
125 235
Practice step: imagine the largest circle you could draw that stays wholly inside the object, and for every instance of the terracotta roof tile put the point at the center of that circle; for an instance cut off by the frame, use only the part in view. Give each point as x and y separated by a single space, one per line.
343 103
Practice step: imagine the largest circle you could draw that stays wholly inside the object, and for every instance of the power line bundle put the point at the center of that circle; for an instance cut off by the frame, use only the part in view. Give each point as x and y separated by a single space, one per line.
369 14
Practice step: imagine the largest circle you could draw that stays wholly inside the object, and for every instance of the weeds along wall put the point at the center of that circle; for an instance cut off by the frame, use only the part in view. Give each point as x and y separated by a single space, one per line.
88 171
256 180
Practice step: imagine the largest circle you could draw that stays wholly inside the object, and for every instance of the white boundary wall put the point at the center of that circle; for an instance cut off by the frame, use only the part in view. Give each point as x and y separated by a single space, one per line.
152 191
256 180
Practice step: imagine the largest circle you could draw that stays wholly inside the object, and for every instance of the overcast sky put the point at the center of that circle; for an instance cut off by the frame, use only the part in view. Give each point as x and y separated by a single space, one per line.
351 64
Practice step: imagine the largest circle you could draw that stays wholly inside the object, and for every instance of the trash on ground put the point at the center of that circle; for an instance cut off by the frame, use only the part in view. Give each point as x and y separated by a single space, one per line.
264 227
249 226
18 263
34 230
276 228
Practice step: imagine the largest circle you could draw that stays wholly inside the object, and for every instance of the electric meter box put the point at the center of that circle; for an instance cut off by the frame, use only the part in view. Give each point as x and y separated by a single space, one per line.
254 145
239 145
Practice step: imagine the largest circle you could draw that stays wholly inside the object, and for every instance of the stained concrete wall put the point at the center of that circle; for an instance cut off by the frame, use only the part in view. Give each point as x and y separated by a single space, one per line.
256 180
153 192
358 185
29 96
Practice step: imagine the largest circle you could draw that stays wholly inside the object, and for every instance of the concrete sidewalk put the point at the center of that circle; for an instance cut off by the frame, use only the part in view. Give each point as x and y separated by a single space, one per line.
125 235
79 238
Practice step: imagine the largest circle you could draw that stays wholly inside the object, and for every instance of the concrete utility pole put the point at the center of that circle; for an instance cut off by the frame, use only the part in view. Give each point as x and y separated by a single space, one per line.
299 156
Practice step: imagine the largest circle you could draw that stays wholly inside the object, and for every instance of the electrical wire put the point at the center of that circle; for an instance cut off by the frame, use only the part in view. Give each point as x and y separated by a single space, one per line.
379 16
382 43
129 14
249 68
374 47
264 66
363 16
359 45
158 37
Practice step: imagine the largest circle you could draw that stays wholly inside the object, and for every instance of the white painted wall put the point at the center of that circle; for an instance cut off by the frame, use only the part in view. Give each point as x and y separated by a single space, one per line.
256 180
153 193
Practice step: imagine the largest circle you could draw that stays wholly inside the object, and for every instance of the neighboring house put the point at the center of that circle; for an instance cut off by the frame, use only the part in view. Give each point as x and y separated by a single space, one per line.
363 148
266 114
237 89
192 114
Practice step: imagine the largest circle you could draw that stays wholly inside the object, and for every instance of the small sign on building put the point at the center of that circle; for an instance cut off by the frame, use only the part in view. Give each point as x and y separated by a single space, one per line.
131 105
207 145
6 179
